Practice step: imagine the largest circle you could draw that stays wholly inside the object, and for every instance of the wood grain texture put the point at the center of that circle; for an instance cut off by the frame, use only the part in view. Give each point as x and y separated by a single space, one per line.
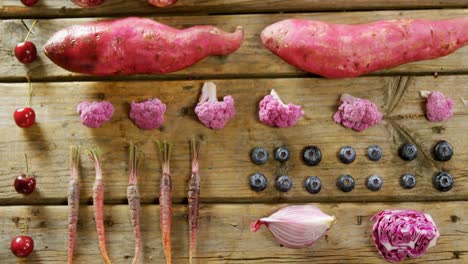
251 60
224 234
225 162
65 8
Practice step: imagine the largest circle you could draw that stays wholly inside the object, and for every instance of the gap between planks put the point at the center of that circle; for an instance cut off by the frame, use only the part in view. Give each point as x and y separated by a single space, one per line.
59 8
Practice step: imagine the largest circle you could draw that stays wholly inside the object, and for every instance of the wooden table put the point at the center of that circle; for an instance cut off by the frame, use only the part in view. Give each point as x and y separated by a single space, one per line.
228 205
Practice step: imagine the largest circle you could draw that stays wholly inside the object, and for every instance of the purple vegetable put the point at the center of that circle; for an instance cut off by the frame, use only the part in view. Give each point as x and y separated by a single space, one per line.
211 112
95 114
399 234
275 113
148 114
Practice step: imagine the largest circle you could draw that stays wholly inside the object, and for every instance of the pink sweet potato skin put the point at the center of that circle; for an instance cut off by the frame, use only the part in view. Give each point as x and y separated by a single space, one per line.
136 46
162 3
340 51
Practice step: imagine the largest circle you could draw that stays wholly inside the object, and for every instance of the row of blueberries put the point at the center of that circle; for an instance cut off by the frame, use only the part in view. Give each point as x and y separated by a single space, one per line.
312 155
443 182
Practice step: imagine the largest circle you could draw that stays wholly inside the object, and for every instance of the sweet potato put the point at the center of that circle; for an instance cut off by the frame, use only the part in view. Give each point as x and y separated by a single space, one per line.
162 3
136 46
339 51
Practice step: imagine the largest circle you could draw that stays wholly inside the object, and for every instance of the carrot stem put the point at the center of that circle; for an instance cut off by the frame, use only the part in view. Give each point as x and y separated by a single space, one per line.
133 196
193 197
98 202
165 200
73 202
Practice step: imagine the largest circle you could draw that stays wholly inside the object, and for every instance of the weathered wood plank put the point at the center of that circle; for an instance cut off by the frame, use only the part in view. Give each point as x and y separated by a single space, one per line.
224 234
225 164
252 59
60 8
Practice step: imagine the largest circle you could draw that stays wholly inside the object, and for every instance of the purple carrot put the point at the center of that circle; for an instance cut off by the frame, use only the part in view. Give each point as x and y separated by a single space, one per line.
165 200
133 196
193 196
73 201
98 202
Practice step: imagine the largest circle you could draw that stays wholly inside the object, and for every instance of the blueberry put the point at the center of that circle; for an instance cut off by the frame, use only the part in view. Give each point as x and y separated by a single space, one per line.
347 154
312 155
259 155
346 183
408 152
374 183
374 152
283 183
443 181
443 151
282 154
313 184
258 182
408 181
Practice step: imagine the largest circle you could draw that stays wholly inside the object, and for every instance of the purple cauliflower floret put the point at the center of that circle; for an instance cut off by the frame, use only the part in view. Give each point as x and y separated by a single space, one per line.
275 113
211 112
95 114
357 114
148 114
438 107
398 234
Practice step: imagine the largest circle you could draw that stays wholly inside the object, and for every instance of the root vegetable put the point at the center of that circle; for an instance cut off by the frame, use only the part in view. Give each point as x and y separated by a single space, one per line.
339 51
133 196
73 202
193 197
136 46
165 200
162 3
98 202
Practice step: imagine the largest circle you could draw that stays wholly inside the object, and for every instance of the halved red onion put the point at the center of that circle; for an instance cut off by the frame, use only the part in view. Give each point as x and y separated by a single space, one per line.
296 226
88 3
399 234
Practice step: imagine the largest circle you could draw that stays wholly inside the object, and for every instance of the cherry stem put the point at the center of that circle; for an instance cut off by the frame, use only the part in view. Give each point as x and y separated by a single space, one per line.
30 29
27 166
30 91
24 231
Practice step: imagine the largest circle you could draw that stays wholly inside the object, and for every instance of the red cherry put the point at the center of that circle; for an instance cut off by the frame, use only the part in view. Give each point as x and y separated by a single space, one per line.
24 117
26 52
29 2
22 246
25 184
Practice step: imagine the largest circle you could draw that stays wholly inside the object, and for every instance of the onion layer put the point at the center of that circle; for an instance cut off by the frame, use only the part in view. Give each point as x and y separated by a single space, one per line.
296 226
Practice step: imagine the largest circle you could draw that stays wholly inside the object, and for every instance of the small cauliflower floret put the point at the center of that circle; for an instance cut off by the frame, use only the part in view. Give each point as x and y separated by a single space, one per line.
356 113
211 112
275 113
438 107
148 114
95 114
